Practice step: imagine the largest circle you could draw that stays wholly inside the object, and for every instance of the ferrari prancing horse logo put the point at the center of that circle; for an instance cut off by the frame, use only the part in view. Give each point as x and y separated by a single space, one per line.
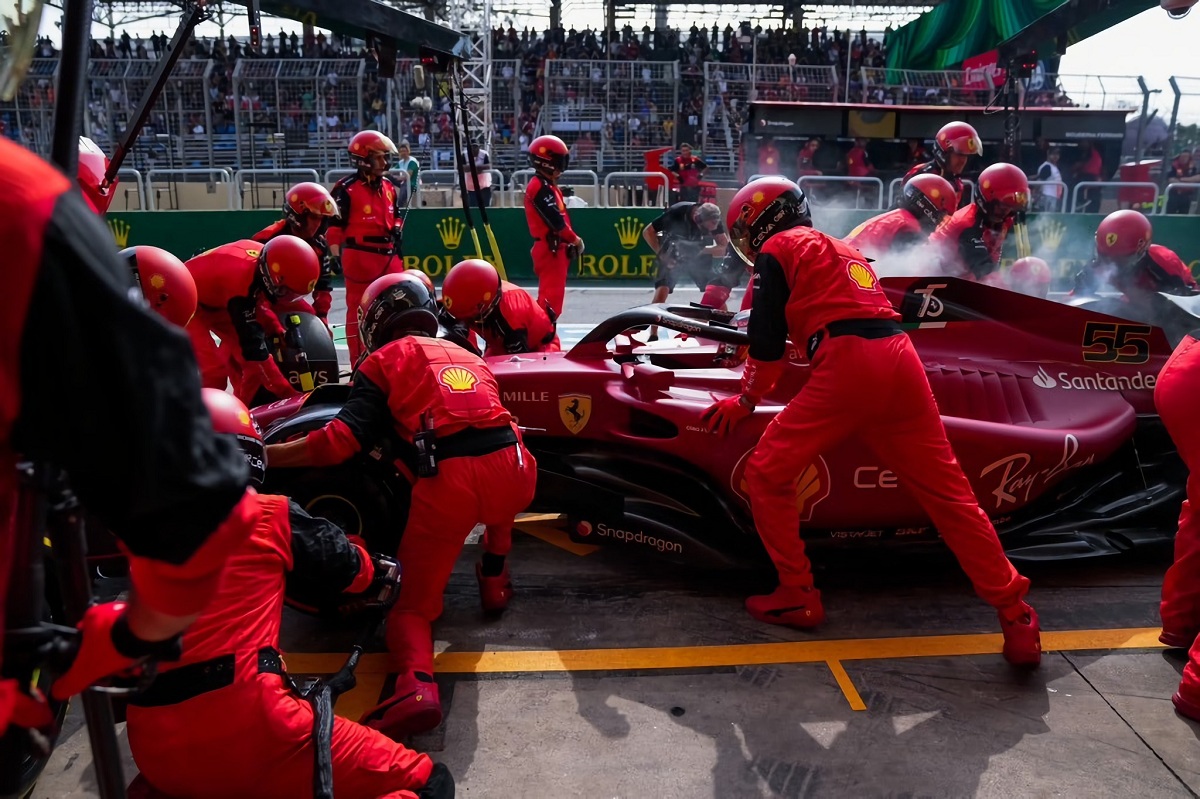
575 410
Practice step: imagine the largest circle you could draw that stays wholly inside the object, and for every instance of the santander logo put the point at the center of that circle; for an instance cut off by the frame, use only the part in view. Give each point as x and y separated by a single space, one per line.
1043 379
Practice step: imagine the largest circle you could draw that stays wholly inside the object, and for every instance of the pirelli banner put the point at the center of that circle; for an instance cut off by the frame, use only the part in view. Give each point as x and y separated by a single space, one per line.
436 239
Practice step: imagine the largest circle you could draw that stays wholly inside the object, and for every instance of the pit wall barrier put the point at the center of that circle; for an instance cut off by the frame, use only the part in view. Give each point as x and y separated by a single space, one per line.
437 238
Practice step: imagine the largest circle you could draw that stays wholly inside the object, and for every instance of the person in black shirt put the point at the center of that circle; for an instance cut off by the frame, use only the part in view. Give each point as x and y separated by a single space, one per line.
685 238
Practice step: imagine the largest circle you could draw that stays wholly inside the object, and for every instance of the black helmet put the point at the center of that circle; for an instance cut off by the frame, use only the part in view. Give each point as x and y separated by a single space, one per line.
395 306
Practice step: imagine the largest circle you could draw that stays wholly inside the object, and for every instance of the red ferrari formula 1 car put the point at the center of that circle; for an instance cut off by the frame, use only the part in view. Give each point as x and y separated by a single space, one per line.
1049 407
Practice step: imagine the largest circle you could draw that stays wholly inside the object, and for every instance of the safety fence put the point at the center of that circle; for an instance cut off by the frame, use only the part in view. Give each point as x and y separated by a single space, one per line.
611 112
437 238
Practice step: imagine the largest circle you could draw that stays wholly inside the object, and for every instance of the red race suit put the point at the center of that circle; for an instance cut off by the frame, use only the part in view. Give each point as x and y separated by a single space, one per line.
866 380
1175 399
95 383
368 231
1160 269
932 168
689 171
484 473
518 324
323 293
228 287
967 246
546 215
890 231
224 720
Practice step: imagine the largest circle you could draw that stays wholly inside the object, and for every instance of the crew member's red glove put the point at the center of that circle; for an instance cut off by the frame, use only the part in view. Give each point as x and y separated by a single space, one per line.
109 648
22 709
723 415
268 374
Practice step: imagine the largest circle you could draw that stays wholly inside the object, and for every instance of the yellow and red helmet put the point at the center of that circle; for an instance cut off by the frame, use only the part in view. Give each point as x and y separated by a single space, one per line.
471 289
395 306
955 138
165 282
289 268
549 155
930 198
230 417
761 209
307 200
1123 237
1003 190
368 143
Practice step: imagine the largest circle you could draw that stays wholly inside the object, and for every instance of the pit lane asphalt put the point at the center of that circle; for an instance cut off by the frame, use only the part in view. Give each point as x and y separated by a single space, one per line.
612 676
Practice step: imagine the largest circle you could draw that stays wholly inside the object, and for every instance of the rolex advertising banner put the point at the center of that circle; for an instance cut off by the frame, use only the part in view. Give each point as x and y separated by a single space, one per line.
436 239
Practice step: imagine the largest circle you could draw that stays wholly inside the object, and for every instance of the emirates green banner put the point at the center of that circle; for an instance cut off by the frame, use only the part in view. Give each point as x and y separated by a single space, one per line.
436 239
960 29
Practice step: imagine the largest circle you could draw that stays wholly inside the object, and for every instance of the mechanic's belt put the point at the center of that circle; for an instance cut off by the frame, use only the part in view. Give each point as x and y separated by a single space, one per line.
863 328
465 443
362 244
187 682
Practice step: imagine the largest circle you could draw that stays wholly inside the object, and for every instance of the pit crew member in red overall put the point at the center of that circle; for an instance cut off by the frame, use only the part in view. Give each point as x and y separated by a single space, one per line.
555 244
953 145
866 379
926 200
307 212
193 715
1175 399
503 315
969 243
1127 260
369 229
232 281
454 329
165 282
1030 275
463 453
141 453
689 171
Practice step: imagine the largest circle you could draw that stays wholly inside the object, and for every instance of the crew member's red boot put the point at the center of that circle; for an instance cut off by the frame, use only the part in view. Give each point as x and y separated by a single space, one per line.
794 607
1177 639
1022 635
494 592
414 707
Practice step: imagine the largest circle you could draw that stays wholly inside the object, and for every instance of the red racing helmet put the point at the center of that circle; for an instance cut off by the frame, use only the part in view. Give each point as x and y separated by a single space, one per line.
307 200
93 163
957 138
165 282
395 306
549 155
289 268
1030 276
230 417
930 198
761 209
471 289
1123 237
368 143
1003 191
424 279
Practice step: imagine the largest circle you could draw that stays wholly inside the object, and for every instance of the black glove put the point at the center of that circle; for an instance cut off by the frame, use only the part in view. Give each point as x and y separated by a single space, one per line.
397 238
334 264
440 784
380 594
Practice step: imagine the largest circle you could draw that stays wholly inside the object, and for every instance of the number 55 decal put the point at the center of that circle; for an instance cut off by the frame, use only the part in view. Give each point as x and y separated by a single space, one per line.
1109 342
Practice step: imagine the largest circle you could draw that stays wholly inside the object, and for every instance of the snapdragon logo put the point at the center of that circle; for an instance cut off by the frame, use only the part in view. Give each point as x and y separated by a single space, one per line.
585 529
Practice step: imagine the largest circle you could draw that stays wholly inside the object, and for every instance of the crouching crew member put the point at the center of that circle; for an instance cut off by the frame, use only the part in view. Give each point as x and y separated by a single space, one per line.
467 463
505 316
224 719
232 281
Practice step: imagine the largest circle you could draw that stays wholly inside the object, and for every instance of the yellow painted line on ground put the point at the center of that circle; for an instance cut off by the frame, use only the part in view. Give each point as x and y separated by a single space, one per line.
692 657
846 684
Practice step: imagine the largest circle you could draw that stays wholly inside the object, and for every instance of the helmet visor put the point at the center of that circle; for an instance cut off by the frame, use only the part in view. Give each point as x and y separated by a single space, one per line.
19 19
